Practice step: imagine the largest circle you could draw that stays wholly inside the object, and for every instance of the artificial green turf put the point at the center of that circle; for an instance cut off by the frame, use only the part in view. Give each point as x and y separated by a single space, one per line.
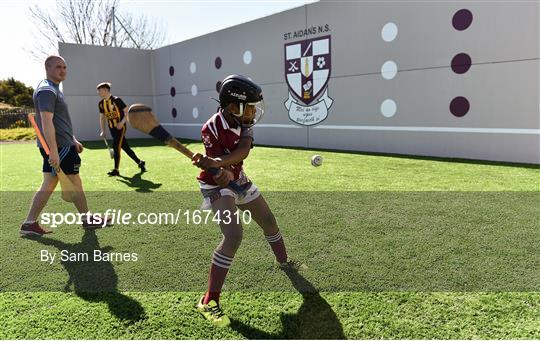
456 216
277 169
358 241
360 315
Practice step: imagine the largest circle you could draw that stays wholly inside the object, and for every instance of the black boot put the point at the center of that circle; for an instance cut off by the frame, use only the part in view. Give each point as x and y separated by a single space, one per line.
114 172
142 166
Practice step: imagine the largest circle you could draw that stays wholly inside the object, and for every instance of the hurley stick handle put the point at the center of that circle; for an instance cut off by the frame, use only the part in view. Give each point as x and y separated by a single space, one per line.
173 142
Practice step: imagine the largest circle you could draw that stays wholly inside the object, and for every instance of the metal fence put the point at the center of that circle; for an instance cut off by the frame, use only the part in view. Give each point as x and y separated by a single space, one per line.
11 118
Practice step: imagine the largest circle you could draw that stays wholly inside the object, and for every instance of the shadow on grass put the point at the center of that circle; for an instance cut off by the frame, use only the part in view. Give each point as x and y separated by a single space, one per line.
138 183
94 281
315 318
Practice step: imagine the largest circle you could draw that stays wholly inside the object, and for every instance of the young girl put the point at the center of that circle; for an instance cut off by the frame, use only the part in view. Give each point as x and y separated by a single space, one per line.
228 138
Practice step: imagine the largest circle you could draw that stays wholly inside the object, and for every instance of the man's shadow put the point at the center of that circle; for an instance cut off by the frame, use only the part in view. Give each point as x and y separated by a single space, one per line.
141 185
315 318
94 281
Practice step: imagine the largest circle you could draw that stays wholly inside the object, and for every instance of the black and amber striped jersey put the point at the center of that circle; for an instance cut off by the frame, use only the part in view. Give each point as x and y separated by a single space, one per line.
113 109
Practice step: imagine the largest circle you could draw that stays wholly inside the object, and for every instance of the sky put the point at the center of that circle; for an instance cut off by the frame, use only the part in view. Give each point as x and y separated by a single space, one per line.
181 19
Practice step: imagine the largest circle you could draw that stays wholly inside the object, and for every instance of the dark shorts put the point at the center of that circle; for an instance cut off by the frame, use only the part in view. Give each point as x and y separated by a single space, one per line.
69 160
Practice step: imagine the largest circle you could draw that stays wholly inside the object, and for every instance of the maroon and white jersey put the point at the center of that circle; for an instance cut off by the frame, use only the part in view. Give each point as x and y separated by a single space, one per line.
221 139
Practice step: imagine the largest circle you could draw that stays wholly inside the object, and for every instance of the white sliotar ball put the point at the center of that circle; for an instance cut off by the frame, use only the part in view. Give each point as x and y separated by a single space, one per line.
316 160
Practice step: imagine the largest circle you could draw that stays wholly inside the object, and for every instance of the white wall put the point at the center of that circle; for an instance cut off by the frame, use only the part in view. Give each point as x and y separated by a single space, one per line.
502 85
128 70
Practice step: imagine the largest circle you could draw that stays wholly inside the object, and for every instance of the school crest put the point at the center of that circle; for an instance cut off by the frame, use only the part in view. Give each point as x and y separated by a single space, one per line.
307 72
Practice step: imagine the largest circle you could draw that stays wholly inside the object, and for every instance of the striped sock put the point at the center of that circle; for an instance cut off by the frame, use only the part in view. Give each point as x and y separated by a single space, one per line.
218 271
278 246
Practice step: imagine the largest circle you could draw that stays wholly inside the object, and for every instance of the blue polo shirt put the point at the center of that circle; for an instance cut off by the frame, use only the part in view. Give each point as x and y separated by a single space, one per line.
48 97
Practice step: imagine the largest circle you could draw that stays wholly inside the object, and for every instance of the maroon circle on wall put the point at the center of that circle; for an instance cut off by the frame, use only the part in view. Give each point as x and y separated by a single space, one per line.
171 70
174 112
217 62
461 63
173 91
459 106
218 86
462 19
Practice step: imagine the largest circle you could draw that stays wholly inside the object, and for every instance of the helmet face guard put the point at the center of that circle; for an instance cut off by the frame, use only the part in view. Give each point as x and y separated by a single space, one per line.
246 94
258 107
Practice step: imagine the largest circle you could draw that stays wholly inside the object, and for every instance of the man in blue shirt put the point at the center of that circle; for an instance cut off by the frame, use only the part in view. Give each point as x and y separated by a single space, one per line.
53 120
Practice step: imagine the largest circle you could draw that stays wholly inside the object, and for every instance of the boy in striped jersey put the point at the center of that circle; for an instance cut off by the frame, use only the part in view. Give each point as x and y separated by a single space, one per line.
113 113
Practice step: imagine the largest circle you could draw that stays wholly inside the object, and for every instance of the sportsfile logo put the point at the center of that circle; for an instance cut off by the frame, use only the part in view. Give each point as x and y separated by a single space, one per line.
121 217
55 219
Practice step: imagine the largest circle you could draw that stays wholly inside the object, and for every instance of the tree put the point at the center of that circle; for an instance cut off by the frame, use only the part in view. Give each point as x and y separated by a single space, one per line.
93 22
16 93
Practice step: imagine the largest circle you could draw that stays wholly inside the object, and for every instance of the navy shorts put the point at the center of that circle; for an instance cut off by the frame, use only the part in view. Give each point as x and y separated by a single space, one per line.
70 162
